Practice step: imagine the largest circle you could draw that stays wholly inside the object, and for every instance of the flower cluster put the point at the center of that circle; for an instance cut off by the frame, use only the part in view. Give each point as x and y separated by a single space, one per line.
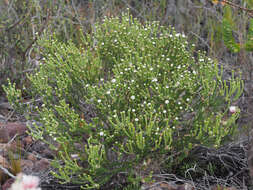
25 182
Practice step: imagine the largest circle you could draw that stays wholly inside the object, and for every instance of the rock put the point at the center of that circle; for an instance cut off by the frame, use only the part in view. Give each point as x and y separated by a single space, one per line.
41 165
3 162
167 186
48 153
4 135
221 187
39 147
10 129
26 165
7 184
32 157
28 140
4 148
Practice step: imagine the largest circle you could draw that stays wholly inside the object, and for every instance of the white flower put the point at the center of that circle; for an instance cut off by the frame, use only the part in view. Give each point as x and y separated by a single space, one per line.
101 133
99 100
113 80
232 109
133 110
136 119
74 156
187 99
154 80
132 97
167 101
164 111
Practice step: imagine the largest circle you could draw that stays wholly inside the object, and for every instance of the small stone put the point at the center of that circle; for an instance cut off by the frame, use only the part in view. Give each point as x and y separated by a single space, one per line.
48 153
4 135
26 164
28 140
7 184
9 130
41 165
32 157
3 162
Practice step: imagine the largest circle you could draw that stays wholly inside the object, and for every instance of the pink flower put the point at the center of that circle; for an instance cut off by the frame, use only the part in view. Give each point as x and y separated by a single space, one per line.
25 182
232 109
30 182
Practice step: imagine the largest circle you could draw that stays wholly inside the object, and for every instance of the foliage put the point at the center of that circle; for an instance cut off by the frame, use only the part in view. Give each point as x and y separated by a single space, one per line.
22 22
229 25
131 95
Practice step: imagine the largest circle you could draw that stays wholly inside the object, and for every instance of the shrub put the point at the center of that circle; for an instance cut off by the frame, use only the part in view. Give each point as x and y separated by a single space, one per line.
131 97
22 23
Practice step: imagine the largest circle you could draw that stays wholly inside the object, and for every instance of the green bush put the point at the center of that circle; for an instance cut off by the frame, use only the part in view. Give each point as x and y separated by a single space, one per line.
132 97
21 23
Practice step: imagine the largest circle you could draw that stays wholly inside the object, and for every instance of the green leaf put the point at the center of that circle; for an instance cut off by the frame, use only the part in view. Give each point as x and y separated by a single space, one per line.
228 38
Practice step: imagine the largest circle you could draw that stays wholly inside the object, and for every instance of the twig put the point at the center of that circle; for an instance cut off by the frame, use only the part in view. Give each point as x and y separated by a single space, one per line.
7 172
250 11
239 7
39 33
10 115
15 24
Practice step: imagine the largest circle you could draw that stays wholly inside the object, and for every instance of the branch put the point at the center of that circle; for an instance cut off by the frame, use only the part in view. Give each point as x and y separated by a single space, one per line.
249 11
